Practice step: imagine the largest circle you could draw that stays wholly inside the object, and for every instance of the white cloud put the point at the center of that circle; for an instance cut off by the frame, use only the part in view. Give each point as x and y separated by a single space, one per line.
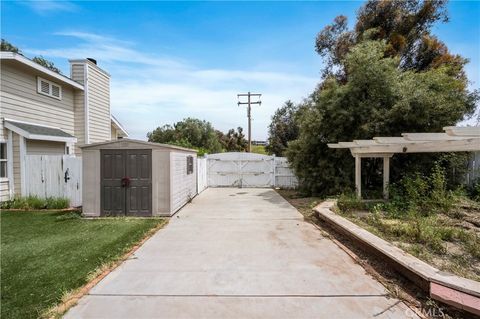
149 90
47 6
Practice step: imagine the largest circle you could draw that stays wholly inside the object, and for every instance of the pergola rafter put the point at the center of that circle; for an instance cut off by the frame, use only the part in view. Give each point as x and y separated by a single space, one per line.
454 139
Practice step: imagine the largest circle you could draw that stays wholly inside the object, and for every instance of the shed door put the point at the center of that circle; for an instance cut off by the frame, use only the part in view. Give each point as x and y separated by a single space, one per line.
126 183
139 192
112 169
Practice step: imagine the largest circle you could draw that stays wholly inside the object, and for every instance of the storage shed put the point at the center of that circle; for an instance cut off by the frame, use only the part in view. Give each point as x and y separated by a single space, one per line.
136 178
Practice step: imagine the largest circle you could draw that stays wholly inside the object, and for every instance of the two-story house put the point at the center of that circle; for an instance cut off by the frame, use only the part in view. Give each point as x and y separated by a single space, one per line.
46 113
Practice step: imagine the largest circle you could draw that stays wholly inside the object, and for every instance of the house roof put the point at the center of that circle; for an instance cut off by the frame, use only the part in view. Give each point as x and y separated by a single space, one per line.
39 132
130 142
118 126
12 56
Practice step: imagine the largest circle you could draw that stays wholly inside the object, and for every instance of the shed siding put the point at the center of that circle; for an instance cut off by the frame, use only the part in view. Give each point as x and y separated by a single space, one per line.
161 182
98 105
182 185
35 147
20 101
91 182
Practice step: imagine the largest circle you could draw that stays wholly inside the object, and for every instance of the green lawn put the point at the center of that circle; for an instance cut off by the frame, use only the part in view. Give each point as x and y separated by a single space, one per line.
46 254
259 149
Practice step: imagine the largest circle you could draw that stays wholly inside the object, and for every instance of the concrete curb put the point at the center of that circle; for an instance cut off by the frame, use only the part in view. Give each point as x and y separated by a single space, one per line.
456 291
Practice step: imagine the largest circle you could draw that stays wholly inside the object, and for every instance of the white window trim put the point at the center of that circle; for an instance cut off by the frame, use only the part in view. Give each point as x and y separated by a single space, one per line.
5 179
23 167
50 83
11 183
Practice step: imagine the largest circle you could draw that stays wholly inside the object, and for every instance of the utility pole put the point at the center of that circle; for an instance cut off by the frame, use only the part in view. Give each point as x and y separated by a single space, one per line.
249 112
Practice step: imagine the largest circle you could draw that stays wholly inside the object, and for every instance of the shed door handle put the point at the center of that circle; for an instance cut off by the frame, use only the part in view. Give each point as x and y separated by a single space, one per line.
125 181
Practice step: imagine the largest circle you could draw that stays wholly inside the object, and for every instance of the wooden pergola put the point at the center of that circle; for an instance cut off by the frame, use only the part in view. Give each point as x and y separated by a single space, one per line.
453 139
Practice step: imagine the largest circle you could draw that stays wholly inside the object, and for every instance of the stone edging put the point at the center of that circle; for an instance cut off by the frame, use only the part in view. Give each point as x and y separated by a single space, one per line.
456 291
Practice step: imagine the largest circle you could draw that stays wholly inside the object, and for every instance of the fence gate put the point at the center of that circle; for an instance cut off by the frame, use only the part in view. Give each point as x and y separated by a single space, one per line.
54 176
248 170
201 174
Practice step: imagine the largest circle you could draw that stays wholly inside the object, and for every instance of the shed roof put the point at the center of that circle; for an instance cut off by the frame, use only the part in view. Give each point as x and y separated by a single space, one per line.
128 142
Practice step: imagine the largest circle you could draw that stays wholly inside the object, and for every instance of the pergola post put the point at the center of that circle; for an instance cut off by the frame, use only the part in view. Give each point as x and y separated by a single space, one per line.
386 176
358 176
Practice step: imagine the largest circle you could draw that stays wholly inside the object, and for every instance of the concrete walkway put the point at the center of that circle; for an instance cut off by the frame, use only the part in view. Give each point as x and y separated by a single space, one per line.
239 253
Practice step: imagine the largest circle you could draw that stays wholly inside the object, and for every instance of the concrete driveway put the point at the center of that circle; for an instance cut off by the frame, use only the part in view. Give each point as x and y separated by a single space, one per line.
239 253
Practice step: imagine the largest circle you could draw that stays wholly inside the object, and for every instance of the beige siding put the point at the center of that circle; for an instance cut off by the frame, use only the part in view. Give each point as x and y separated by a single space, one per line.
77 72
20 101
161 182
4 192
113 133
79 120
98 94
183 187
35 147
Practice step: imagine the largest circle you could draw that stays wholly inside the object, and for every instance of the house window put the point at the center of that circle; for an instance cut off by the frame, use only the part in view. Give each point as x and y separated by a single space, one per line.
49 88
3 159
189 165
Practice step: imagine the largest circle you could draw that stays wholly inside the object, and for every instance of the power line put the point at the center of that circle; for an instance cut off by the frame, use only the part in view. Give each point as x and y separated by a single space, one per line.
249 111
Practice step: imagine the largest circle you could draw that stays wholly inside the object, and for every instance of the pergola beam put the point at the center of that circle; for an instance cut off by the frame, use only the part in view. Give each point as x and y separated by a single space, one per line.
455 139
415 137
462 131
464 145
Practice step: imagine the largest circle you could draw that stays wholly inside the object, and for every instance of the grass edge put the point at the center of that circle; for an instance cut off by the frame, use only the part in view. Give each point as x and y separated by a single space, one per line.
71 298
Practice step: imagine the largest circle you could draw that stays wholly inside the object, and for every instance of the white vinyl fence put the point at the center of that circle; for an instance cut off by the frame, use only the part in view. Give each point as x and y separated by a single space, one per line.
284 176
238 169
473 173
201 174
54 176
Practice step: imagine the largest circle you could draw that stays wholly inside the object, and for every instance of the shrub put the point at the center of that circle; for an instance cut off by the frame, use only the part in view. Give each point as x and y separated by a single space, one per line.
473 190
35 202
347 202
417 195
57 202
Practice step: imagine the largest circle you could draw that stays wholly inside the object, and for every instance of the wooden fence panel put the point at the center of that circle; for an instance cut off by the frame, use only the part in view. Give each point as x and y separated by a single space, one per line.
54 176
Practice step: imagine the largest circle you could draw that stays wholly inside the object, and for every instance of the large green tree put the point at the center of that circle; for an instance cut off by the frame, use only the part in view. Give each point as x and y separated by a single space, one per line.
283 128
404 25
190 132
387 76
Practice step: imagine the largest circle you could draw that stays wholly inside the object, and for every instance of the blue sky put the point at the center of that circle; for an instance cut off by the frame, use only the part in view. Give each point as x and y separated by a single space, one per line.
171 60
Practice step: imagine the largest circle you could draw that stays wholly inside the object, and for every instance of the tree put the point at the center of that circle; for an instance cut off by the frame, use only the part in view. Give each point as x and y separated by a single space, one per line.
376 98
233 141
404 25
8 47
283 128
190 132
48 64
